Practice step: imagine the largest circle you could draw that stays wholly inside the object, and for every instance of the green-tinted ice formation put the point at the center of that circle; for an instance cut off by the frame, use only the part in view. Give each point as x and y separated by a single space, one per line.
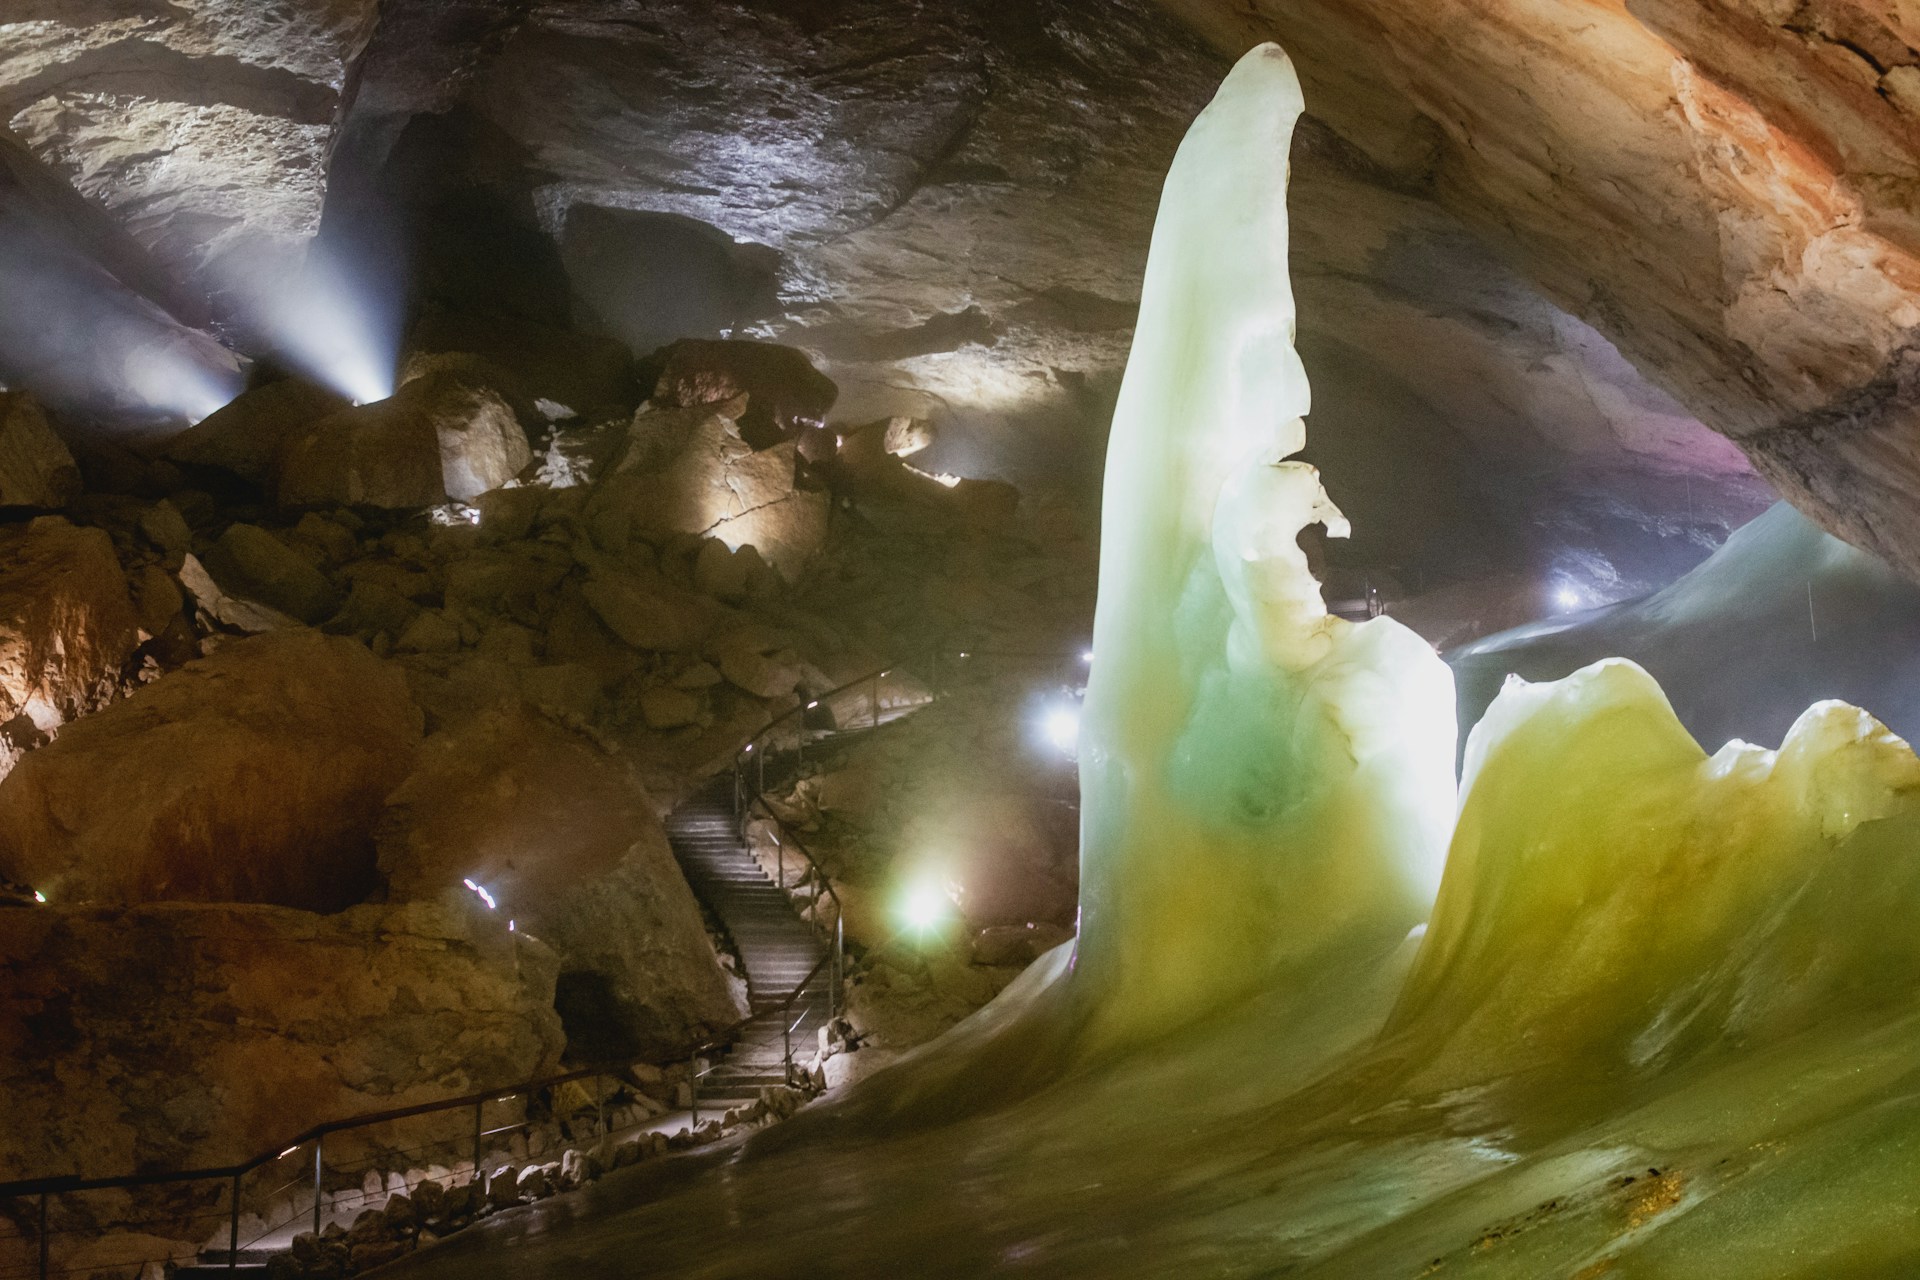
1260 781
1663 1021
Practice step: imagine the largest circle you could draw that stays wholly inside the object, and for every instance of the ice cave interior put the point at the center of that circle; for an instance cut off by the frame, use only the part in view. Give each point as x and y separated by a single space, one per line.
823 638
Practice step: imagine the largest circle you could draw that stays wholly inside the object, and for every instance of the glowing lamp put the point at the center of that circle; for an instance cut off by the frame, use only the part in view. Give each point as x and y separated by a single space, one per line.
924 908
1060 725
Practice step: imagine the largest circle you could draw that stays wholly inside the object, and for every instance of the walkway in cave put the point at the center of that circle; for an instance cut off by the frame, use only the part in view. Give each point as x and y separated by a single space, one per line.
776 946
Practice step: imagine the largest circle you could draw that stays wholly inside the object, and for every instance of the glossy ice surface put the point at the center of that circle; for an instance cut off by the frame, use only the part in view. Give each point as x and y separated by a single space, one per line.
1661 1022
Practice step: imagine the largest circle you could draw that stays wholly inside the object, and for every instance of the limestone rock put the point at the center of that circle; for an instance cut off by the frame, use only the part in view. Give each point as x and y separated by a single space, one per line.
237 97
665 707
701 477
650 613
568 844
157 599
253 775
588 374
246 436
786 394
759 662
252 564
35 468
233 611
209 1033
67 625
436 438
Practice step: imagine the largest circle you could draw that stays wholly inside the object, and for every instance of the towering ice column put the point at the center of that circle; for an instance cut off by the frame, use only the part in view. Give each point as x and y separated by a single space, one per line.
1263 785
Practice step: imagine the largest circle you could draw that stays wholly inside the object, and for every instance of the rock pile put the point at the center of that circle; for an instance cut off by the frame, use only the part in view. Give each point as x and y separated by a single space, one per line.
367 717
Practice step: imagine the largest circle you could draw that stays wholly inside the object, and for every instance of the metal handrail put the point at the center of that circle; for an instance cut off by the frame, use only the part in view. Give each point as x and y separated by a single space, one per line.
747 795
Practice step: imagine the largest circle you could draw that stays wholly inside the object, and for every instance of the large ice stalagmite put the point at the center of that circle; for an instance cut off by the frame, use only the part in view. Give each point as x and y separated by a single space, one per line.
1262 783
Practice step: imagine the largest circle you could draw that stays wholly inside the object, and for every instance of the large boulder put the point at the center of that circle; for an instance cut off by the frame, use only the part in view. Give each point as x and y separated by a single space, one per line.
567 843
180 1035
253 775
67 628
787 396
252 564
246 436
436 438
590 375
35 468
690 471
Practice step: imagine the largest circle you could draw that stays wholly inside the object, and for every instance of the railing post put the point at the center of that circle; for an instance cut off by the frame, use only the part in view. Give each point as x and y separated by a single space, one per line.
786 1041
780 860
876 702
479 1123
46 1245
319 1172
693 1093
233 1229
839 962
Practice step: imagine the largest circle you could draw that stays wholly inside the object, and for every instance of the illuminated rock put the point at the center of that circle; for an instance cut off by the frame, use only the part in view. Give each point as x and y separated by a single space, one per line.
252 775
786 395
435 439
566 842
246 435
689 471
67 624
1261 783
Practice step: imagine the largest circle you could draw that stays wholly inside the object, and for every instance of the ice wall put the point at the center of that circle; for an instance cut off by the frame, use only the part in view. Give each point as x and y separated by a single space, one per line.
1783 616
1260 781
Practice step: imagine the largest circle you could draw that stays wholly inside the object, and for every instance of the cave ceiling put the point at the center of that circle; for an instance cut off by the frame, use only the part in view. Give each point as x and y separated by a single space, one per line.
1537 245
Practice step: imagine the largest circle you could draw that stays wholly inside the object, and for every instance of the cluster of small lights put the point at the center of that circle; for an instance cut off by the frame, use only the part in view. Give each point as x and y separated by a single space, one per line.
484 895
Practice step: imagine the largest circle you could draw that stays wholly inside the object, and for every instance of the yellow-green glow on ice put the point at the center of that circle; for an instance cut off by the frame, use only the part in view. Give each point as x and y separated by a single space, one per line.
1260 781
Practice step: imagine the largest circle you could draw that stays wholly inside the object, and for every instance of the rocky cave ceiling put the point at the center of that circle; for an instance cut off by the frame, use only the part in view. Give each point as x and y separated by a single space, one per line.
1538 243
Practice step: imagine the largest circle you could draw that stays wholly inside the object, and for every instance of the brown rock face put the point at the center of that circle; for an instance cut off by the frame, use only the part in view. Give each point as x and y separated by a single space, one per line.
436 438
1726 190
786 394
253 775
688 471
566 841
246 436
35 468
67 624
177 1035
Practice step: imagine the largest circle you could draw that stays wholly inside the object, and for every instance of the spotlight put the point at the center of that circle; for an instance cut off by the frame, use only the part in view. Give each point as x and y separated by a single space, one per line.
484 895
1567 597
1061 726
1086 658
39 896
924 908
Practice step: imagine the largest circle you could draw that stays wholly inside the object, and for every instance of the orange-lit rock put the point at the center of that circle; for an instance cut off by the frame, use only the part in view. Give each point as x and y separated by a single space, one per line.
252 775
566 841
206 1033
67 625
